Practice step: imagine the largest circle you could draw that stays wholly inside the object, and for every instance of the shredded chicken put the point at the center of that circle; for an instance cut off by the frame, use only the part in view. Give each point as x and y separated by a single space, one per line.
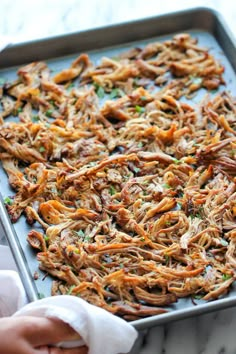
134 188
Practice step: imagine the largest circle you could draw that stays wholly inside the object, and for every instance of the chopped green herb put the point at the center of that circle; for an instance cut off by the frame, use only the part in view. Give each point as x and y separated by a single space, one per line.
99 90
142 239
49 112
47 125
19 110
70 86
166 185
121 265
116 92
46 238
80 233
54 190
226 277
177 162
140 144
112 190
76 250
70 289
196 144
179 205
8 201
41 149
139 109
168 223
136 169
87 238
143 98
35 118
167 258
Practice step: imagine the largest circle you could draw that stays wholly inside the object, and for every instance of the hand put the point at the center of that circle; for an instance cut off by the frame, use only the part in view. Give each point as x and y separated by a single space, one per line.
35 335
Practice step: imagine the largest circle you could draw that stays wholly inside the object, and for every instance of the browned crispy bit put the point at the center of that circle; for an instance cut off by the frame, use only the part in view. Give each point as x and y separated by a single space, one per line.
154 299
77 67
36 240
127 308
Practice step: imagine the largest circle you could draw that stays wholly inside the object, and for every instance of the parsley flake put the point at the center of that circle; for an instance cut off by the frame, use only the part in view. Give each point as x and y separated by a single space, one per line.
49 112
177 162
112 190
139 109
41 149
35 118
136 169
70 289
167 258
70 86
226 277
99 90
8 201
166 185
140 144
80 233
19 110
116 92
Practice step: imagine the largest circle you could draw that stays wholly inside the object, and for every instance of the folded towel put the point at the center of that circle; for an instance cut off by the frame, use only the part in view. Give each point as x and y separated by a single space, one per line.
12 293
101 331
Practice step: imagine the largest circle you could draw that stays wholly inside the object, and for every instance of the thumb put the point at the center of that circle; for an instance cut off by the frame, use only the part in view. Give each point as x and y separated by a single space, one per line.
40 331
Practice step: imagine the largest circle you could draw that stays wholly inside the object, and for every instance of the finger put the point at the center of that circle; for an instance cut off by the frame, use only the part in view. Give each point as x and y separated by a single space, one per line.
54 350
41 331
80 350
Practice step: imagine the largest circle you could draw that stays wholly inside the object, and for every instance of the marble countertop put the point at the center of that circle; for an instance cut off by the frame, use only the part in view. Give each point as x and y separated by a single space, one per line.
24 20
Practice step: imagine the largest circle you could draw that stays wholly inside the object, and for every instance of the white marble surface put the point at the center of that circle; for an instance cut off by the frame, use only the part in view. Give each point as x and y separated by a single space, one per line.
25 20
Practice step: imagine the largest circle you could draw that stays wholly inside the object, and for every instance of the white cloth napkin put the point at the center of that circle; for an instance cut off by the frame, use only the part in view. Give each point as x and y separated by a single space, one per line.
12 293
101 331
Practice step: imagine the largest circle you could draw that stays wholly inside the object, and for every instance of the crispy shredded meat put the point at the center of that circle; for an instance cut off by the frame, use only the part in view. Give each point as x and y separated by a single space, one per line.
134 188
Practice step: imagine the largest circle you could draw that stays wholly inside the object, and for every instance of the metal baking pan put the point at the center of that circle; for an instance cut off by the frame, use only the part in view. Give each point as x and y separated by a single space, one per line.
202 23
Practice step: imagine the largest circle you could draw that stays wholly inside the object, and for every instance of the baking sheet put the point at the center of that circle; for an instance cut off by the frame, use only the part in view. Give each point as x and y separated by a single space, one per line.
204 24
